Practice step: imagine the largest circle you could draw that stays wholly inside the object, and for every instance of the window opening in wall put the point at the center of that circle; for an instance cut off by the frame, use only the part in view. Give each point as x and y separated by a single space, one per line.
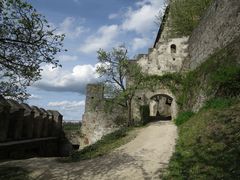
173 48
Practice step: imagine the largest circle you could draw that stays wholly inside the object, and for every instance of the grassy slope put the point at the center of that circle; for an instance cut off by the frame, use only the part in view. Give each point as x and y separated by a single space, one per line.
209 141
104 146
208 146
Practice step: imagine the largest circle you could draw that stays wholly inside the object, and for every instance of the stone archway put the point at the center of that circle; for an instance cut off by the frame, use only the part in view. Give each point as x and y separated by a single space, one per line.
143 99
173 109
160 107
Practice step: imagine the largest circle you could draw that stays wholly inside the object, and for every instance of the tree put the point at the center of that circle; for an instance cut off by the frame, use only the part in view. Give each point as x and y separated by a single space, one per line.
121 76
26 41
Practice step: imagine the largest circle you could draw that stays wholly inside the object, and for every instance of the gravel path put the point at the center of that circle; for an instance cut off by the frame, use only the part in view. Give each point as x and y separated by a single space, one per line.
141 159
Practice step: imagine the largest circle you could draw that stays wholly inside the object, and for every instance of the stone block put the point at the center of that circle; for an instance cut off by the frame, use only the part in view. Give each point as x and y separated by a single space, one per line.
45 118
38 122
57 122
28 121
16 120
4 118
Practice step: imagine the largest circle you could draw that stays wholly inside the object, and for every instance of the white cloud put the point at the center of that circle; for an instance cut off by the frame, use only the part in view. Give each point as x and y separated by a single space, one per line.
67 105
104 38
35 97
142 19
67 58
139 43
113 16
71 110
68 81
71 27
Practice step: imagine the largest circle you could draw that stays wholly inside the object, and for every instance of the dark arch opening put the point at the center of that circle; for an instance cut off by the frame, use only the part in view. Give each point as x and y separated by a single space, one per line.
173 49
160 109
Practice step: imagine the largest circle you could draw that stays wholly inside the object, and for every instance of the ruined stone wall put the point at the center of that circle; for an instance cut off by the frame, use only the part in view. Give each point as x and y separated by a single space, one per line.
26 130
218 27
98 120
166 57
20 121
143 97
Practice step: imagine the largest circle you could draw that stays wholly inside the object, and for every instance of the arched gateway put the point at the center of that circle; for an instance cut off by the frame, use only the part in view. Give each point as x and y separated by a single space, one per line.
161 105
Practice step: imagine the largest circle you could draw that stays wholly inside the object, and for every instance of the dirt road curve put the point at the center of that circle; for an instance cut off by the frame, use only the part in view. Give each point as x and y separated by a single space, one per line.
141 159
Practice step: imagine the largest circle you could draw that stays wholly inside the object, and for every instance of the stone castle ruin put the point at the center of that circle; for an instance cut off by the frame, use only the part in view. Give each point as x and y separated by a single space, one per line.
168 55
29 130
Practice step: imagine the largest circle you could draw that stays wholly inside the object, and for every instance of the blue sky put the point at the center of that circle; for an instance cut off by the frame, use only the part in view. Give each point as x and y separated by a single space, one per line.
88 26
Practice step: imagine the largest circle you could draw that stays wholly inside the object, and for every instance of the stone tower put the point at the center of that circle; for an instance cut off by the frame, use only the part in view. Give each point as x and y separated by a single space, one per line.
94 95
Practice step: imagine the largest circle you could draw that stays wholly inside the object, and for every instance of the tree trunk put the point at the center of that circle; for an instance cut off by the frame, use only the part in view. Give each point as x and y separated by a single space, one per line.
130 120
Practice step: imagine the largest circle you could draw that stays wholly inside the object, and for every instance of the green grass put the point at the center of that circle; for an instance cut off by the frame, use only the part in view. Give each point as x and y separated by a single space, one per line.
220 103
104 146
208 146
70 126
183 117
185 15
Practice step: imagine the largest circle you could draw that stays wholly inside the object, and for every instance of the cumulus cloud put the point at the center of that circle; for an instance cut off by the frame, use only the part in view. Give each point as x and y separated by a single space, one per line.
71 110
104 38
35 97
67 58
56 79
142 19
139 43
71 27
67 105
113 16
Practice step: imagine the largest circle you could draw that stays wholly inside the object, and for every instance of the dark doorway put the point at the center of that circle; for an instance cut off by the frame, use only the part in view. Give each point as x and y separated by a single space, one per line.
160 109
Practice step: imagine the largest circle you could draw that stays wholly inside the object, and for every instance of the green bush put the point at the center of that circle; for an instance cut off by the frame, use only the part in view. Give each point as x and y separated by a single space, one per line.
183 117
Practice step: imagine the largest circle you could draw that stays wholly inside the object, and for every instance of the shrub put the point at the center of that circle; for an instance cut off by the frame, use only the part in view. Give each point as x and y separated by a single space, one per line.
183 117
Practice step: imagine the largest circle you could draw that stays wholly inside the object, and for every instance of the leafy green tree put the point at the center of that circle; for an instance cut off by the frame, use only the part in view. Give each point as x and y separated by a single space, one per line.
121 77
26 41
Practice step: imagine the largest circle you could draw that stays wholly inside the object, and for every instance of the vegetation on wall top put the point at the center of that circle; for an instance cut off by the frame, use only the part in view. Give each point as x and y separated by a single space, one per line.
185 15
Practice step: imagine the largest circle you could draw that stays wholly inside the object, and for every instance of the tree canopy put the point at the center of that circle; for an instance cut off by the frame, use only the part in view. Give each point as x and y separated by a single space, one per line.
122 77
26 41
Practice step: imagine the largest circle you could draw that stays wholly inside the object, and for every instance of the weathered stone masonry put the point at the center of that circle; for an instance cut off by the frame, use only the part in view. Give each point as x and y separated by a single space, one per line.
219 26
97 121
24 128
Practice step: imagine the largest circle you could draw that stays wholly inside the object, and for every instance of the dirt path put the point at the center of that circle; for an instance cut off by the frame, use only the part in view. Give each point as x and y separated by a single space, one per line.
142 158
